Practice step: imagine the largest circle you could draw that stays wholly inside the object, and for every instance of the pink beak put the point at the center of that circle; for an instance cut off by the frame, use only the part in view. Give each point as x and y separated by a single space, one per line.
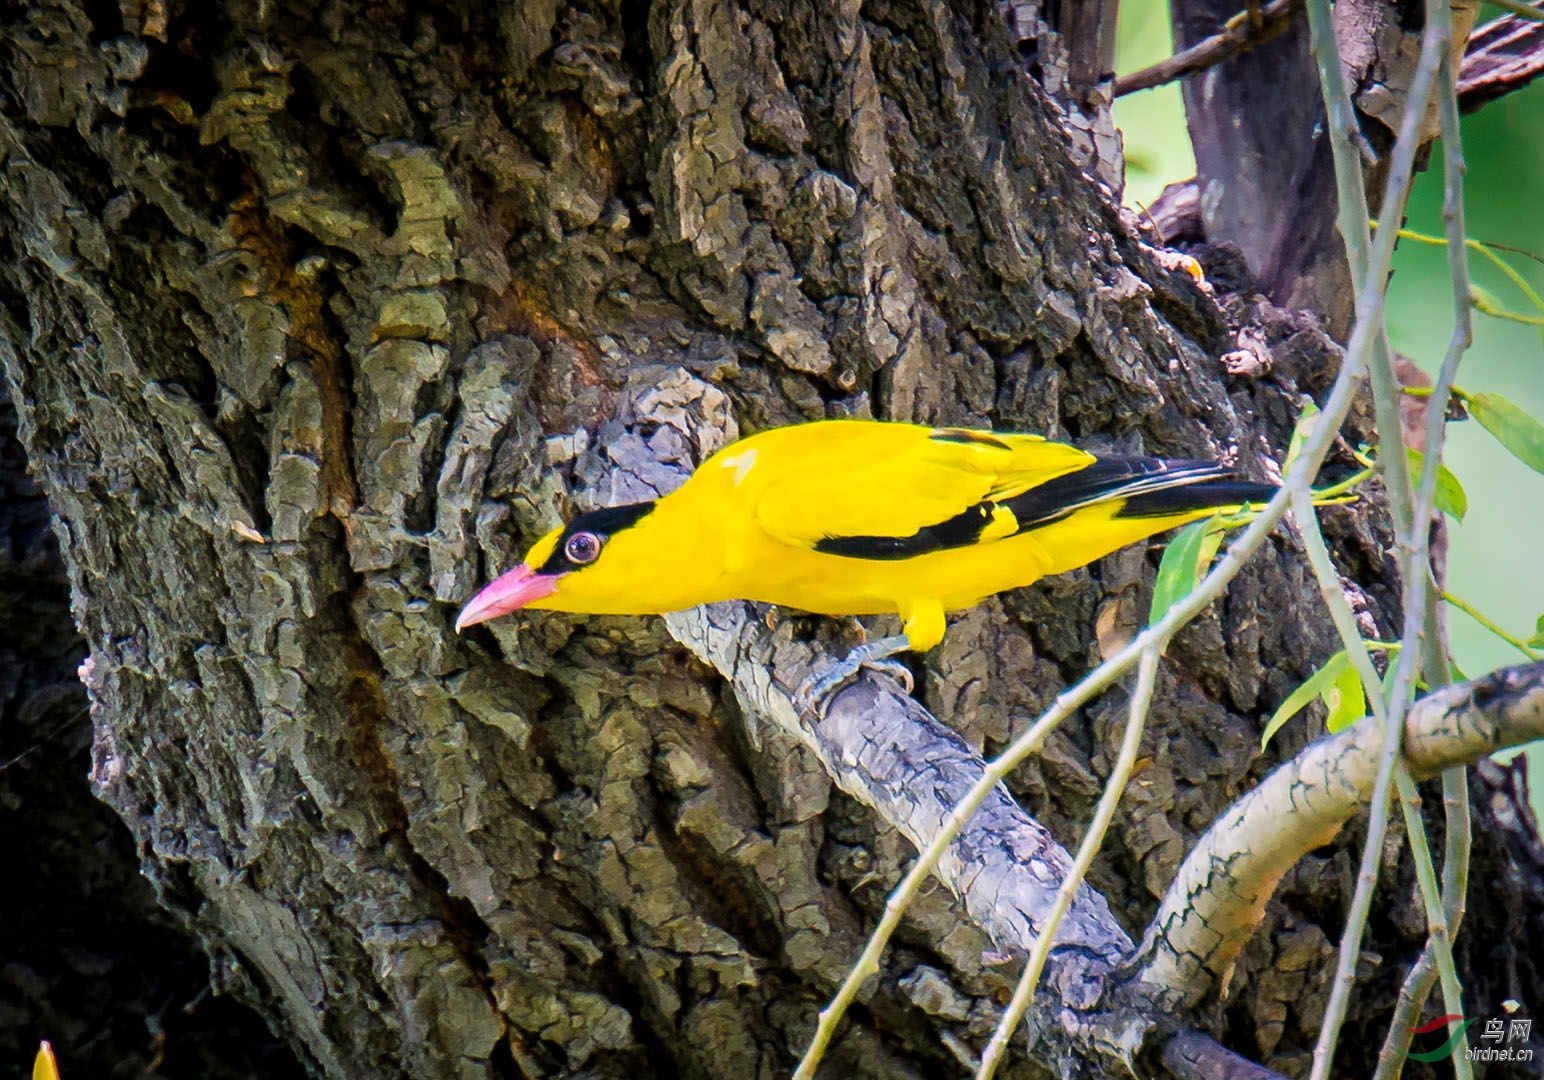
508 592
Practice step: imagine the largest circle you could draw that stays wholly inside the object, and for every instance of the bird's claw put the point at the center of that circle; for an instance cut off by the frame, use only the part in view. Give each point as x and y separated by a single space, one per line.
815 693
896 670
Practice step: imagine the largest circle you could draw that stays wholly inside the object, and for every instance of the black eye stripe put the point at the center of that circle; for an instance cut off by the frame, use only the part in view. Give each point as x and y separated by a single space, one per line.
600 524
608 520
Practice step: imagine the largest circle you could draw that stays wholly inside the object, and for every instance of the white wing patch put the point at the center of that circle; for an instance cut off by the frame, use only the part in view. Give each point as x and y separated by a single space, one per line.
741 463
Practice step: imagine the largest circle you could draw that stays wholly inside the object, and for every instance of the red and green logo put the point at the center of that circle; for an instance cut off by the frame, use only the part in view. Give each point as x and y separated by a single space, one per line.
1446 1049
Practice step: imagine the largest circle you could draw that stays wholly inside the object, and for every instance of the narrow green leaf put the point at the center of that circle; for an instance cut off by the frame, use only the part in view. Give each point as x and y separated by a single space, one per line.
1451 499
1180 568
1512 427
1316 685
1210 543
1537 640
1345 700
1485 301
1303 429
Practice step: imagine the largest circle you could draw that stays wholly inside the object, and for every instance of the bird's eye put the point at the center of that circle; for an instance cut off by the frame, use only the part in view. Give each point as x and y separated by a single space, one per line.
582 548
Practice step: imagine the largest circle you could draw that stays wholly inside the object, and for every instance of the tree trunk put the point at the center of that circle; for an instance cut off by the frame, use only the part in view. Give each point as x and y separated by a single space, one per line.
313 321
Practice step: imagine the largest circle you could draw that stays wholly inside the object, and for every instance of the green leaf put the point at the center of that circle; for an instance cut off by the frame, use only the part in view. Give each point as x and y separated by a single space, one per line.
1300 433
1512 427
1184 561
1345 700
1485 301
1316 685
1451 499
1537 640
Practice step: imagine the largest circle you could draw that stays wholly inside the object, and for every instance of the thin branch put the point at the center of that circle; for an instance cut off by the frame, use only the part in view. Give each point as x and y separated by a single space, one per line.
1369 270
1494 628
1455 781
1238 34
1212 906
1423 624
1434 646
1093 840
1521 10
1413 993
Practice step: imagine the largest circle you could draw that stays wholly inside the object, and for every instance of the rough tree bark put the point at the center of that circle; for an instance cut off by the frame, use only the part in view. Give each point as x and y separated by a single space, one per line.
314 318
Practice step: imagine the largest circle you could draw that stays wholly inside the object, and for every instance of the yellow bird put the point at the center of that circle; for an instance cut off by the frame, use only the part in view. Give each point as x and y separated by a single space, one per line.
861 517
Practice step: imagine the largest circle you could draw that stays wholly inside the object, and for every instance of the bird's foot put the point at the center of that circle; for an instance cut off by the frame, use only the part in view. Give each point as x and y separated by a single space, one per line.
814 695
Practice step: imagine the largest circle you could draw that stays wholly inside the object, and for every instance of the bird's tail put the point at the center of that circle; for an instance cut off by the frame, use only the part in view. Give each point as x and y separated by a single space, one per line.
1222 492
1145 487
1118 501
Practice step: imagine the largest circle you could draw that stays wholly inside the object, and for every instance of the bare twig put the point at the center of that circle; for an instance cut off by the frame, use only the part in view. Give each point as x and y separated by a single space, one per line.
1237 35
1413 993
1455 781
1371 272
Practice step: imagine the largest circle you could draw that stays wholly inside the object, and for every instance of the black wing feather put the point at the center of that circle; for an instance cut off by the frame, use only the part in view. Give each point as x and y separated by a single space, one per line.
962 530
1151 487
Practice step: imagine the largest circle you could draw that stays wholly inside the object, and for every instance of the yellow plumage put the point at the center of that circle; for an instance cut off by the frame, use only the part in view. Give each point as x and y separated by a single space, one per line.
855 517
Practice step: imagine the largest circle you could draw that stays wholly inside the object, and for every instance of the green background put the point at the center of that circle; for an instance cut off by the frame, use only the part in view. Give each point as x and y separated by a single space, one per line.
1495 556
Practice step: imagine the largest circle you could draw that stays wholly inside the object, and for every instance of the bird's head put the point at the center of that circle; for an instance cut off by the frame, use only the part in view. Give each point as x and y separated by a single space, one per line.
601 562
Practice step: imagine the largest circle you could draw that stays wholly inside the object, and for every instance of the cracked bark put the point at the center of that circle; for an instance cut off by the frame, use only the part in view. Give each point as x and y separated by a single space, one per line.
313 320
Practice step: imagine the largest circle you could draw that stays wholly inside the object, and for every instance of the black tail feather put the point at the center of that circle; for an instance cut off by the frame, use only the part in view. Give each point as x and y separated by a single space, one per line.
1211 493
1151 487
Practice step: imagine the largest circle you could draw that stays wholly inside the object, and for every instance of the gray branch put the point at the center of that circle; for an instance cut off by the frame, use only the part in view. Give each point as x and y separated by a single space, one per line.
892 755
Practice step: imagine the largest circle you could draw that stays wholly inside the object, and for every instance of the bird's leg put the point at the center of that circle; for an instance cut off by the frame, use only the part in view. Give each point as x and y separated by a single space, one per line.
813 696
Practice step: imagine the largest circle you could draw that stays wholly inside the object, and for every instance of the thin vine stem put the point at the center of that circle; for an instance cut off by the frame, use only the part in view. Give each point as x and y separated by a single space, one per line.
1412 540
1486 250
1477 616
1455 782
1093 840
1520 9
